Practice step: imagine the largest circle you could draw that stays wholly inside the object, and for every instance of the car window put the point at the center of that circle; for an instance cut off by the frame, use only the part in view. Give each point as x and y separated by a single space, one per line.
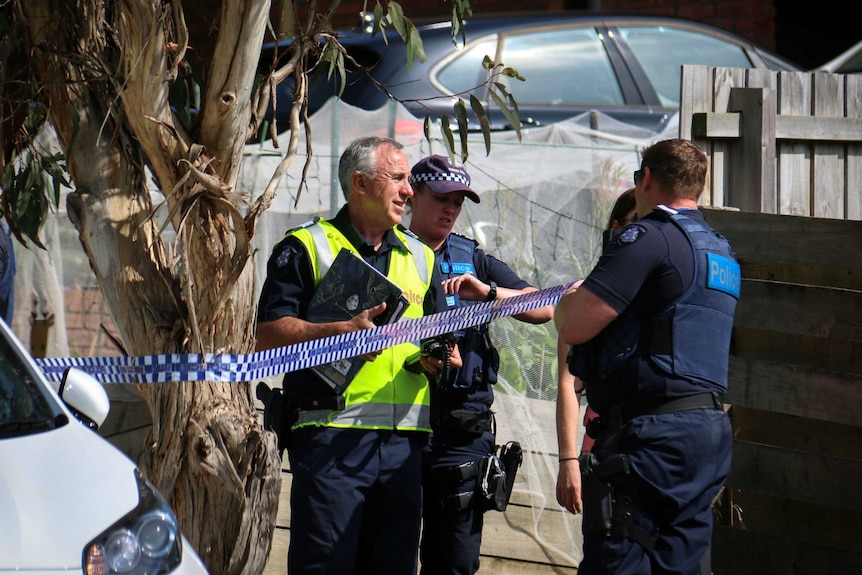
24 405
562 67
661 51
465 72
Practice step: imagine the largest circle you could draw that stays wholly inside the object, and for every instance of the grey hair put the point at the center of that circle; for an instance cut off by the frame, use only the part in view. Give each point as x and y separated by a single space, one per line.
361 156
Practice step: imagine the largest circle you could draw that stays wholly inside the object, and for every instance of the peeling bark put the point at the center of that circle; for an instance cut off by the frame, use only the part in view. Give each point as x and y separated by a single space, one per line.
106 68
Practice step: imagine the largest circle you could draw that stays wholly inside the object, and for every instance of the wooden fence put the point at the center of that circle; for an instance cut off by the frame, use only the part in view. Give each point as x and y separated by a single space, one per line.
779 143
788 143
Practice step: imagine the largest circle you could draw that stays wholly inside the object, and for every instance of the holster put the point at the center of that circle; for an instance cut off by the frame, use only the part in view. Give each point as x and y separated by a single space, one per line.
511 455
495 477
598 491
608 500
281 410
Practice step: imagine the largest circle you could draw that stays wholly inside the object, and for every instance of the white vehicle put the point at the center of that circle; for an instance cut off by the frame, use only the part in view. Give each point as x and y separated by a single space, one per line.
69 500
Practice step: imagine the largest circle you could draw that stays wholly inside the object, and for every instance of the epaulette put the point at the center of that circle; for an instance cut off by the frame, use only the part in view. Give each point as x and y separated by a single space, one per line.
307 224
409 232
663 213
468 238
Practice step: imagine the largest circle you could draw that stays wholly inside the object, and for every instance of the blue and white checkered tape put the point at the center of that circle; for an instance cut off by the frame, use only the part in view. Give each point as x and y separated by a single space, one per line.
248 367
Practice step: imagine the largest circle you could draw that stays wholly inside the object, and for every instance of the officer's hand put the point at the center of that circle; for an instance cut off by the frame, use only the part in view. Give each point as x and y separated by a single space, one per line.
467 286
569 486
433 365
365 320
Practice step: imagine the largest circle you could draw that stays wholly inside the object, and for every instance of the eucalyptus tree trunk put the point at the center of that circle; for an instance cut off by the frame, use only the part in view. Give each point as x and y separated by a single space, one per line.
107 67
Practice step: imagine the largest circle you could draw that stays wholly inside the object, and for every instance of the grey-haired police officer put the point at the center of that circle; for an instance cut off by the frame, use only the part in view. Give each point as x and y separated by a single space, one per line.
650 329
356 456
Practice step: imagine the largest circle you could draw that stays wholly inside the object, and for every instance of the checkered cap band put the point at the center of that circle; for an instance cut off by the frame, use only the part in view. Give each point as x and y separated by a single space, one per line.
441 177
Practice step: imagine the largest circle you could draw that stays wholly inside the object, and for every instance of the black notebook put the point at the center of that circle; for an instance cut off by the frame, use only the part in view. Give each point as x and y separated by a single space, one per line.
350 287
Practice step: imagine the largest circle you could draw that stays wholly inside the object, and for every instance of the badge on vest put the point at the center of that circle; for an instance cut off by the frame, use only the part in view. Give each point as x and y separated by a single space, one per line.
457 268
724 275
629 235
285 255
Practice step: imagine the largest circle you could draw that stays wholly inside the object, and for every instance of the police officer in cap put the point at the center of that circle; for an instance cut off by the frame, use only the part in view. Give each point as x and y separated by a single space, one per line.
463 441
650 329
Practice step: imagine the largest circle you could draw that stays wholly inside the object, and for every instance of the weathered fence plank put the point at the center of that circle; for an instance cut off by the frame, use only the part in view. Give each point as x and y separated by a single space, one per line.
795 389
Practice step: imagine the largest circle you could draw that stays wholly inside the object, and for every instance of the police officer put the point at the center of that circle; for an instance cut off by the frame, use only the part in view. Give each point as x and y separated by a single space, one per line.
650 329
356 458
463 440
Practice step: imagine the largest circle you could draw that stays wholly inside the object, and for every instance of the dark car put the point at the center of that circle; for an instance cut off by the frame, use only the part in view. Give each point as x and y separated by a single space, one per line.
625 66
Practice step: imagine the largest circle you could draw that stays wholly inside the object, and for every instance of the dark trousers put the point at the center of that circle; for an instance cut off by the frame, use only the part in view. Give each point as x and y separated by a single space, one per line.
451 539
679 462
355 501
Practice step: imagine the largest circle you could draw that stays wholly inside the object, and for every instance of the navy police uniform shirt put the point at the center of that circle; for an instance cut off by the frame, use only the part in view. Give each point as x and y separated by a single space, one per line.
648 266
486 268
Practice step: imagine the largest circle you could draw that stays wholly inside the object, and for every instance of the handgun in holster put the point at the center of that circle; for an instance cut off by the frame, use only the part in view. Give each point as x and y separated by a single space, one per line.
511 455
598 481
497 475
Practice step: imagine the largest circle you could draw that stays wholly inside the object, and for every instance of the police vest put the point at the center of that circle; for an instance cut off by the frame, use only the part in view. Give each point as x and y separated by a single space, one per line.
479 357
688 340
382 395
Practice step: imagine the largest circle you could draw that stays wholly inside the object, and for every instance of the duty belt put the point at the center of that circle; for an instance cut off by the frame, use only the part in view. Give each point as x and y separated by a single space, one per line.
465 420
699 401
626 412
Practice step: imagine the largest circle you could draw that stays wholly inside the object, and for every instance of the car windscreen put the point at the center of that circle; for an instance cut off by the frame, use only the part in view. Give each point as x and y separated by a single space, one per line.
25 405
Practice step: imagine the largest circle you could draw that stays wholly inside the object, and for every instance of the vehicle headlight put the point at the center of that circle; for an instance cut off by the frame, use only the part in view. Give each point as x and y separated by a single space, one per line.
146 541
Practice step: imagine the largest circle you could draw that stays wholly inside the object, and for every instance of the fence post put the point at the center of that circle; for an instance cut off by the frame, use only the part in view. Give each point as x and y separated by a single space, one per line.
752 177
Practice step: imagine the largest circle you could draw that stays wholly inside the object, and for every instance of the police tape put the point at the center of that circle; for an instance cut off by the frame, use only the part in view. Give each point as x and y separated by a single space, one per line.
166 368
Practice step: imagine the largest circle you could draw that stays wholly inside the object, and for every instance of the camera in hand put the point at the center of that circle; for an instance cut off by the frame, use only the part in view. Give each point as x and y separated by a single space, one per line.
439 347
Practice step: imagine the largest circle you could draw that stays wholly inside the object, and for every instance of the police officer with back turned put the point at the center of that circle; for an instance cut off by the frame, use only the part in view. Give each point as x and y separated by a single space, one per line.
650 329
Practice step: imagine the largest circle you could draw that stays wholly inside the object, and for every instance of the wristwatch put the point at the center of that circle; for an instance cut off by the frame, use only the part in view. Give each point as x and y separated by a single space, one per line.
492 293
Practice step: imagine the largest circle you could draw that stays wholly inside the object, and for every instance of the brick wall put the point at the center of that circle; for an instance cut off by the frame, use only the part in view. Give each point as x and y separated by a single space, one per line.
751 19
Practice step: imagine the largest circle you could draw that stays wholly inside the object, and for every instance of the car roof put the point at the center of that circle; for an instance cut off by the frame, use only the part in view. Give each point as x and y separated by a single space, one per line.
499 22
437 31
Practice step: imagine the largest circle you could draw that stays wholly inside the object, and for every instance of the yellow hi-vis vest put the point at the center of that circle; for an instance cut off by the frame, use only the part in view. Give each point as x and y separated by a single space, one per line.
382 395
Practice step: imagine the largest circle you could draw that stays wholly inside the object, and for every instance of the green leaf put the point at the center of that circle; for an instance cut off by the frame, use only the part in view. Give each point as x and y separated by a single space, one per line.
514 120
487 62
415 49
334 57
378 19
512 73
484 125
461 116
448 138
426 127
399 22
460 8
